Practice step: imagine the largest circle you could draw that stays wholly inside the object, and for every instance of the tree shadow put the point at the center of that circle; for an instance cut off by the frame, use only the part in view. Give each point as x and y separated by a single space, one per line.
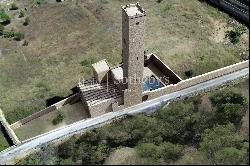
55 99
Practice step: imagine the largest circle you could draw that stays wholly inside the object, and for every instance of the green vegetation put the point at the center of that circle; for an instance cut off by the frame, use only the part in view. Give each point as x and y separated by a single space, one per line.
13 6
8 34
235 34
21 14
189 73
4 17
229 107
58 119
223 146
163 136
26 21
18 36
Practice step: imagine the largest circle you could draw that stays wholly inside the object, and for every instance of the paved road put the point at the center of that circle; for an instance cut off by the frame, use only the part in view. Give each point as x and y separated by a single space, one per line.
7 156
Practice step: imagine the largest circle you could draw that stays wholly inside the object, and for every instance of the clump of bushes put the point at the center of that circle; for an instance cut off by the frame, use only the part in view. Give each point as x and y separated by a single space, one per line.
235 34
58 119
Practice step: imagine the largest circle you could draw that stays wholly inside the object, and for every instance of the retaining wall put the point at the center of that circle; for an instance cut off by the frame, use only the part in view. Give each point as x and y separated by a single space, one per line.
51 108
196 80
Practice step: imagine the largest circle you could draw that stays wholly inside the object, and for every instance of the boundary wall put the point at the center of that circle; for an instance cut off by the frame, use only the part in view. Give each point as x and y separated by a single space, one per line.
196 80
49 109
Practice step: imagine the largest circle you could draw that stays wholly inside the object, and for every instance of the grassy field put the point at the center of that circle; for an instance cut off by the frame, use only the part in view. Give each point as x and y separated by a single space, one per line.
65 38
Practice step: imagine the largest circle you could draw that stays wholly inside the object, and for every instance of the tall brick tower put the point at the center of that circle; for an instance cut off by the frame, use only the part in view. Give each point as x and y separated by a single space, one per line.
133 20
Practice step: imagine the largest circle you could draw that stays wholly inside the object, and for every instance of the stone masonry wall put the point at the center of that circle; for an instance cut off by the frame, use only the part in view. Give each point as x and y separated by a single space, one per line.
196 80
45 111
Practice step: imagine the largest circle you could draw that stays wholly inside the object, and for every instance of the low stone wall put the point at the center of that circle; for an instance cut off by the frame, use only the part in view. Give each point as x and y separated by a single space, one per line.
174 78
8 129
196 80
51 108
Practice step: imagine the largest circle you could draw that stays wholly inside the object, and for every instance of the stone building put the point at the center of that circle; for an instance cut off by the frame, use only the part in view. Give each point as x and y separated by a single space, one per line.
116 88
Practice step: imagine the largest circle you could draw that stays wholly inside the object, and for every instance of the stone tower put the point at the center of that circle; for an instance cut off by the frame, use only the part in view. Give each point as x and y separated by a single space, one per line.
133 20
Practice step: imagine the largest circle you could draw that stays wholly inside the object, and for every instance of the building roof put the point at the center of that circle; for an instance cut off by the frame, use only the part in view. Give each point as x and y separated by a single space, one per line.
117 73
134 10
100 66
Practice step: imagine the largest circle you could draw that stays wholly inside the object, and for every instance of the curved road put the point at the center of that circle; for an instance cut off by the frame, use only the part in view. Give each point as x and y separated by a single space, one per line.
9 155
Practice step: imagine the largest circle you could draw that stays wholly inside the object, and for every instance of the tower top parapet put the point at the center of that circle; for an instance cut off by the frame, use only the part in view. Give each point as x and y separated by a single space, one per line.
134 10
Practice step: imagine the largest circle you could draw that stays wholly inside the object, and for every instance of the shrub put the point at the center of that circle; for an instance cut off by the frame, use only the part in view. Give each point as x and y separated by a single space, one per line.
58 119
171 151
66 149
26 21
8 34
219 137
149 150
25 43
4 18
159 1
18 36
230 156
13 6
189 73
235 34
167 151
21 14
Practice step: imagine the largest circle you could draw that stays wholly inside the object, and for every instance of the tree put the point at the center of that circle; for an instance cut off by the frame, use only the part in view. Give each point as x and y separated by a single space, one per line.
230 156
229 106
171 151
175 123
149 150
219 137
66 149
